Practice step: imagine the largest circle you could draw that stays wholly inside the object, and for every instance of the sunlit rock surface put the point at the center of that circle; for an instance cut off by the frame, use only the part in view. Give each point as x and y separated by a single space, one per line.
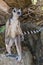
27 59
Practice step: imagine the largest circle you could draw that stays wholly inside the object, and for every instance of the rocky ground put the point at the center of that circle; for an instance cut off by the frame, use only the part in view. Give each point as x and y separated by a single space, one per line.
27 59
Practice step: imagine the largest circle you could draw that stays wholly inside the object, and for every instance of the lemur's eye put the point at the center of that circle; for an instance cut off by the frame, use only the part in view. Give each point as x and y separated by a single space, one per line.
14 10
18 12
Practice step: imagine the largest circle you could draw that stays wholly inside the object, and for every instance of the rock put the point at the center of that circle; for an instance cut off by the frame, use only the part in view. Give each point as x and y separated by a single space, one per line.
27 59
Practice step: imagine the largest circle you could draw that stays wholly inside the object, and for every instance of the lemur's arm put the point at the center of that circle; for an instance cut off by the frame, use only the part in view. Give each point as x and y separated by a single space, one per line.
20 30
7 29
7 24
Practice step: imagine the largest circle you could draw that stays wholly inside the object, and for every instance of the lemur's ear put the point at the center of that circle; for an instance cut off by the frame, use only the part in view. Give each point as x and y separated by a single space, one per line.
19 9
10 10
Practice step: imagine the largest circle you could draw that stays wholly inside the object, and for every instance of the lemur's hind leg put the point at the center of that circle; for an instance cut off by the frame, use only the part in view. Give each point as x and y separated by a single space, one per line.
18 47
8 43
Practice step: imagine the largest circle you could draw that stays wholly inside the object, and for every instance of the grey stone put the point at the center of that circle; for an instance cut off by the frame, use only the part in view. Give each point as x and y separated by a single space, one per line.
27 59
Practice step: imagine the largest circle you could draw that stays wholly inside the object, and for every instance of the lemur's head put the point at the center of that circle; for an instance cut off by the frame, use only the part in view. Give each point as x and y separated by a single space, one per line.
16 12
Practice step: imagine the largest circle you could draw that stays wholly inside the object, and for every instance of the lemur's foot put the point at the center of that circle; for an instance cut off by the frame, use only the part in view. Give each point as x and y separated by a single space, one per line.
18 58
8 54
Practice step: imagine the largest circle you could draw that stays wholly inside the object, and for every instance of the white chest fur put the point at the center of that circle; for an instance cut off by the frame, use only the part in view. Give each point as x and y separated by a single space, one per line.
15 28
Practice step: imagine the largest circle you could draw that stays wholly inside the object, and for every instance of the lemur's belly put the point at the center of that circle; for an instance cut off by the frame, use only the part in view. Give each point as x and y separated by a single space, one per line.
15 30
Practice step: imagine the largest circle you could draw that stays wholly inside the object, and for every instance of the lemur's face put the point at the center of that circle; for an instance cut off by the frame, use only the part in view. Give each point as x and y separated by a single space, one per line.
16 12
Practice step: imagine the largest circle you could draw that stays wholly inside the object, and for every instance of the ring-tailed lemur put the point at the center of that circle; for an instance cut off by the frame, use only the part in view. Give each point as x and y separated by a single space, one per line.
13 32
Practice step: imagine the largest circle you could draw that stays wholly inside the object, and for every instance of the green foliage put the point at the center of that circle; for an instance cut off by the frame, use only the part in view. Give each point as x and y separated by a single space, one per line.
2 29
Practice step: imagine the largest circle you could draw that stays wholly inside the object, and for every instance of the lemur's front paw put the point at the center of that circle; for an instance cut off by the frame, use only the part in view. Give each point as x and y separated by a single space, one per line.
22 38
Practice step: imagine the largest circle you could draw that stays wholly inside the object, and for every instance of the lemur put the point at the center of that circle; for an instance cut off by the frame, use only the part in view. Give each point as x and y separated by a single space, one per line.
13 32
